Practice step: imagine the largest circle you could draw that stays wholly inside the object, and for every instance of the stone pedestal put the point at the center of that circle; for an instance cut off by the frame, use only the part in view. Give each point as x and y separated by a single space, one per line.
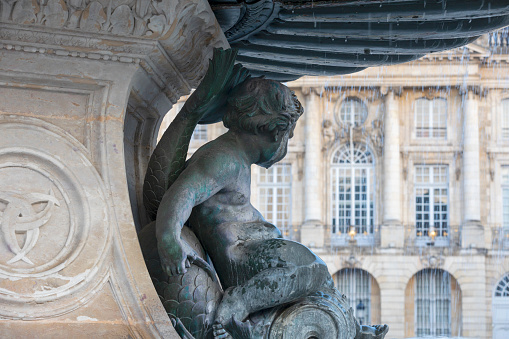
84 87
392 235
312 234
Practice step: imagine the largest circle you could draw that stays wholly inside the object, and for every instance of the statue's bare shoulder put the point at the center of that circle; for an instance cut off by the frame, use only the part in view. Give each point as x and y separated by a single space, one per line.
219 162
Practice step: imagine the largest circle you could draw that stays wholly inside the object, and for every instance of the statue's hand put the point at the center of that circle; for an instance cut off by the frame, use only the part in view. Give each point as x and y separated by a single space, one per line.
174 259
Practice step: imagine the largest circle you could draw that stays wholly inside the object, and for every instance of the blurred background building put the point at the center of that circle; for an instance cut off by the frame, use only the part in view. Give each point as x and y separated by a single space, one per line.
398 177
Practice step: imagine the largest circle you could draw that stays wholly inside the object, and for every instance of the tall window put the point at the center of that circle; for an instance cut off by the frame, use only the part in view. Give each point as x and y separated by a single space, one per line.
431 118
500 304
353 186
431 199
505 118
356 285
353 111
432 303
200 133
274 194
505 201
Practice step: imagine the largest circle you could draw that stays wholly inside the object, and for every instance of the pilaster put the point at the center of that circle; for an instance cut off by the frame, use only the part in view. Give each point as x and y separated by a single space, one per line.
392 231
312 231
472 231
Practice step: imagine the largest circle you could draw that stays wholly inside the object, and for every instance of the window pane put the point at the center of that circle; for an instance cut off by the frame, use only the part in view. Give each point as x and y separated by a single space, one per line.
353 111
200 133
356 285
353 189
274 194
431 199
430 118
432 303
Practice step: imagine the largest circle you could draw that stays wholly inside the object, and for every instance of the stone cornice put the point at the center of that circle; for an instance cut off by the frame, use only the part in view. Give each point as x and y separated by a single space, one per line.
171 39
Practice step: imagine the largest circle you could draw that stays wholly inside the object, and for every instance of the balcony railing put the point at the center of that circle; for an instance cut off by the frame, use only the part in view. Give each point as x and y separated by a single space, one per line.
500 238
360 239
498 39
451 240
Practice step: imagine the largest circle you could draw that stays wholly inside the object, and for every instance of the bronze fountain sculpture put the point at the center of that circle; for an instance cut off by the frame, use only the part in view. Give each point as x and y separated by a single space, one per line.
220 269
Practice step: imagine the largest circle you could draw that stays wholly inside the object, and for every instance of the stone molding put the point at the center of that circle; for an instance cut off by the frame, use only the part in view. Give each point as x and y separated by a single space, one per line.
143 32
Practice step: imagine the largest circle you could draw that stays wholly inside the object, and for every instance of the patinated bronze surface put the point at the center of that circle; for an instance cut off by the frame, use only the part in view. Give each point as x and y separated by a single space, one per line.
268 287
285 40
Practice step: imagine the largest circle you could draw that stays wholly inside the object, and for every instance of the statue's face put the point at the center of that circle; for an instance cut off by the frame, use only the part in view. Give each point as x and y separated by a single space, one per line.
281 146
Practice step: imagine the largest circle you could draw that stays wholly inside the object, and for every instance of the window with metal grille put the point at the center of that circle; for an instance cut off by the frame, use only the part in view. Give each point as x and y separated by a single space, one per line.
353 186
432 303
200 133
431 200
353 111
356 285
505 118
431 118
275 195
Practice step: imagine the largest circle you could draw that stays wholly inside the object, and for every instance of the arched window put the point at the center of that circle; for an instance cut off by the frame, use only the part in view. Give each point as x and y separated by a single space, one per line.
353 187
502 289
362 293
431 118
353 111
501 308
432 305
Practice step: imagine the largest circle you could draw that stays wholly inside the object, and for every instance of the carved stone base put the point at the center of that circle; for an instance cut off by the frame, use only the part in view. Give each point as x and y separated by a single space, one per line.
83 89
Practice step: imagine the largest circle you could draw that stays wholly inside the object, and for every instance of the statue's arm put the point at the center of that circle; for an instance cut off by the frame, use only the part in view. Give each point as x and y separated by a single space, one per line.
198 182
205 105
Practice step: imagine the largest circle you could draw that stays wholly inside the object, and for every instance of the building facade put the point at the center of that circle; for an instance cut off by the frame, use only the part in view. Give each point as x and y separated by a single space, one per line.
398 177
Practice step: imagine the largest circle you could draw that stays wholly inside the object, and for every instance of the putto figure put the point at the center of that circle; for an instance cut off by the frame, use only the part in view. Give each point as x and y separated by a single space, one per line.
269 282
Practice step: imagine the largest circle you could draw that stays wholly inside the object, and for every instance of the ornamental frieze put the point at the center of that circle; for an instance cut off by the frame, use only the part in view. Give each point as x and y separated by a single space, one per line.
142 18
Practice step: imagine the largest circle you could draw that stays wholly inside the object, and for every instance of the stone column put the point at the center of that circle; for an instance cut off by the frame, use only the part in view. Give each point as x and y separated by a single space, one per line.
312 232
85 86
391 229
472 231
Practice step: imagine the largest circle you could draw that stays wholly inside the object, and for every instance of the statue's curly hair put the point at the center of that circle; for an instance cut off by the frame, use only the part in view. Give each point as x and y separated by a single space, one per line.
261 106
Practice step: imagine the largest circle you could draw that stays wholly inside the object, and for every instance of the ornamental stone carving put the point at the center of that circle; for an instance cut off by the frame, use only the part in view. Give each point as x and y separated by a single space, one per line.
52 204
20 216
121 17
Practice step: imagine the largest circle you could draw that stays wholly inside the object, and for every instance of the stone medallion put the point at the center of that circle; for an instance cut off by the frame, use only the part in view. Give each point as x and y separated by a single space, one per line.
54 231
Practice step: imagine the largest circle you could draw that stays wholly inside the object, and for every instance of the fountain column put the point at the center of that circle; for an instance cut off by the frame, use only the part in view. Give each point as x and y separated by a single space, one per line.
472 234
312 232
392 231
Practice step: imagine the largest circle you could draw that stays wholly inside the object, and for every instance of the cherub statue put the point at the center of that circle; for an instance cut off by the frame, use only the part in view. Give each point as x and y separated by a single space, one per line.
260 273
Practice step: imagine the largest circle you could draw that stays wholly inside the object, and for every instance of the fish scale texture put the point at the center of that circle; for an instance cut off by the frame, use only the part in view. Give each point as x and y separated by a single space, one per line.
192 297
